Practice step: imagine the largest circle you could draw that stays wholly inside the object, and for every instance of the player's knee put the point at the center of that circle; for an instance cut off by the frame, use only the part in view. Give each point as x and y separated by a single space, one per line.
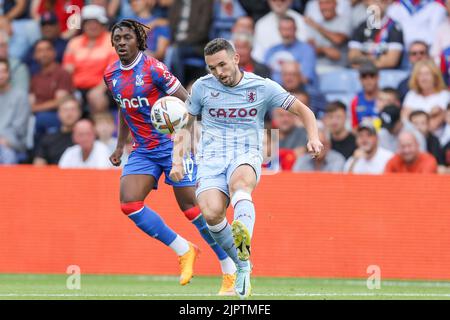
131 207
212 212
240 184
240 195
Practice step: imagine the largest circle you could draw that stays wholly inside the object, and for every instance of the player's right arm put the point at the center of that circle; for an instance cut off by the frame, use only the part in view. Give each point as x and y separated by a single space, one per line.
122 136
314 145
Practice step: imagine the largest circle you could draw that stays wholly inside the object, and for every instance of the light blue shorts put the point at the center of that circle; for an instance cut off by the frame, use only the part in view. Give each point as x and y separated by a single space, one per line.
216 173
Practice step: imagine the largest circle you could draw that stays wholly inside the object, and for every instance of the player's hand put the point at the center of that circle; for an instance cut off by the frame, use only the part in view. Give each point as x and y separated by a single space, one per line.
177 172
314 147
116 156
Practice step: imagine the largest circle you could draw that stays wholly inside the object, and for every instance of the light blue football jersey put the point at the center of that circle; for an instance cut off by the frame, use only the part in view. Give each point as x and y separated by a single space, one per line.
233 117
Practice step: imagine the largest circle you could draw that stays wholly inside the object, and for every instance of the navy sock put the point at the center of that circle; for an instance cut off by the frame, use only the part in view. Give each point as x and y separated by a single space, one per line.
201 226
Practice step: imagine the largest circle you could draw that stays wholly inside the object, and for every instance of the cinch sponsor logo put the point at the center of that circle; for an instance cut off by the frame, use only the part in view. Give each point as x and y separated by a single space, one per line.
233 112
136 102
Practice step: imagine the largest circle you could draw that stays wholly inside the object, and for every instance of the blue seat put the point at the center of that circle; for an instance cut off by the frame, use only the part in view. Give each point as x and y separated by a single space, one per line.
344 81
392 78
345 98
198 62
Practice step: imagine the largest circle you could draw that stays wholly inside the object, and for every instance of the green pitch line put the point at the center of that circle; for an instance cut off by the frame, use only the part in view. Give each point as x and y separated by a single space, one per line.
32 286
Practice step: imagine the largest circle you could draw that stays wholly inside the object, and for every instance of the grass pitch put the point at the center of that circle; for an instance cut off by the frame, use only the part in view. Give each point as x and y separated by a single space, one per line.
53 287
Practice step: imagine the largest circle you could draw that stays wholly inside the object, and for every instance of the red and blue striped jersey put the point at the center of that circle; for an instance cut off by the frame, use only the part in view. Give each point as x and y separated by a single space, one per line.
136 88
445 65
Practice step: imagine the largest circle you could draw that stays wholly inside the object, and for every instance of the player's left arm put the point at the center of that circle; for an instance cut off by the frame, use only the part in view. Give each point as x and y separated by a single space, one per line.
183 140
314 145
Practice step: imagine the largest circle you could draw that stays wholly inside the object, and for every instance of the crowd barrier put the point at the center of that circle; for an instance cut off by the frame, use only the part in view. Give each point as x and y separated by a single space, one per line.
307 225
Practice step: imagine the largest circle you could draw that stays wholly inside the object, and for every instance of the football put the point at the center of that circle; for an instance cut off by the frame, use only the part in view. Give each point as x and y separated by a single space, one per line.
169 114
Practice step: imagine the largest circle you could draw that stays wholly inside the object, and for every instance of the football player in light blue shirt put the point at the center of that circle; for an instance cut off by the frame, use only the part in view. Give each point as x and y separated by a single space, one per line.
232 104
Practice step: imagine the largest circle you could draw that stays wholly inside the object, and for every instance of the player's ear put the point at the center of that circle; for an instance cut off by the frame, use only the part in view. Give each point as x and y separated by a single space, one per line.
236 57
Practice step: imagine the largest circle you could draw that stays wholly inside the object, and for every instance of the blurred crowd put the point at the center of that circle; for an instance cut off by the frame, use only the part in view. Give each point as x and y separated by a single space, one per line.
376 73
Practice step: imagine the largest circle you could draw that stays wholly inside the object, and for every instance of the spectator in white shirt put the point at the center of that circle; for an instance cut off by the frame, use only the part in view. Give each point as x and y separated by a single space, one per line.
442 36
267 34
87 151
419 19
369 158
329 36
312 9
427 92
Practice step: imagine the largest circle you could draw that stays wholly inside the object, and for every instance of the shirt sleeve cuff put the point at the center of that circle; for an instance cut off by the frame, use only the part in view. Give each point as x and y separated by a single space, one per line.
174 87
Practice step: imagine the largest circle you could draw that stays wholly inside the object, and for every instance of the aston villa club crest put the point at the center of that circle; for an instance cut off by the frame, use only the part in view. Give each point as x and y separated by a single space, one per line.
251 95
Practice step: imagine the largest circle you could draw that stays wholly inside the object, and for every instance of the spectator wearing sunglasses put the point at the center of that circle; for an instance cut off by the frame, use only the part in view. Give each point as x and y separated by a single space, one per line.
417 51
363 104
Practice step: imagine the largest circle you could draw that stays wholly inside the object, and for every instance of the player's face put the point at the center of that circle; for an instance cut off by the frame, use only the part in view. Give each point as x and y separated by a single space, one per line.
224 66
125 44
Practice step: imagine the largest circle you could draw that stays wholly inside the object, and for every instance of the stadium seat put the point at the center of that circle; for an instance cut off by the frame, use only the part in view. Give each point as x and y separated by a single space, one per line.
392 78
345 98
344 81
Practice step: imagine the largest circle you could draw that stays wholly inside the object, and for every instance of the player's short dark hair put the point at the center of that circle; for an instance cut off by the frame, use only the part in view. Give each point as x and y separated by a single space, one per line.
334 106
217 45
418 113
138 29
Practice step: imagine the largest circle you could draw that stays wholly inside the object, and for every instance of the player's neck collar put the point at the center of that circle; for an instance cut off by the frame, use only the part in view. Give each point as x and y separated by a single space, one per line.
242 75
132 64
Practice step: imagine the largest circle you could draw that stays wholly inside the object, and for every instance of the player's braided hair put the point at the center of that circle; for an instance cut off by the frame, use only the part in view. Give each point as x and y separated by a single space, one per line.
137 27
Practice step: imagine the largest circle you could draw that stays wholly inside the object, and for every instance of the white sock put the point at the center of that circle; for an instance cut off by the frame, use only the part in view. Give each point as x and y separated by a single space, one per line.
228 266
179 245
